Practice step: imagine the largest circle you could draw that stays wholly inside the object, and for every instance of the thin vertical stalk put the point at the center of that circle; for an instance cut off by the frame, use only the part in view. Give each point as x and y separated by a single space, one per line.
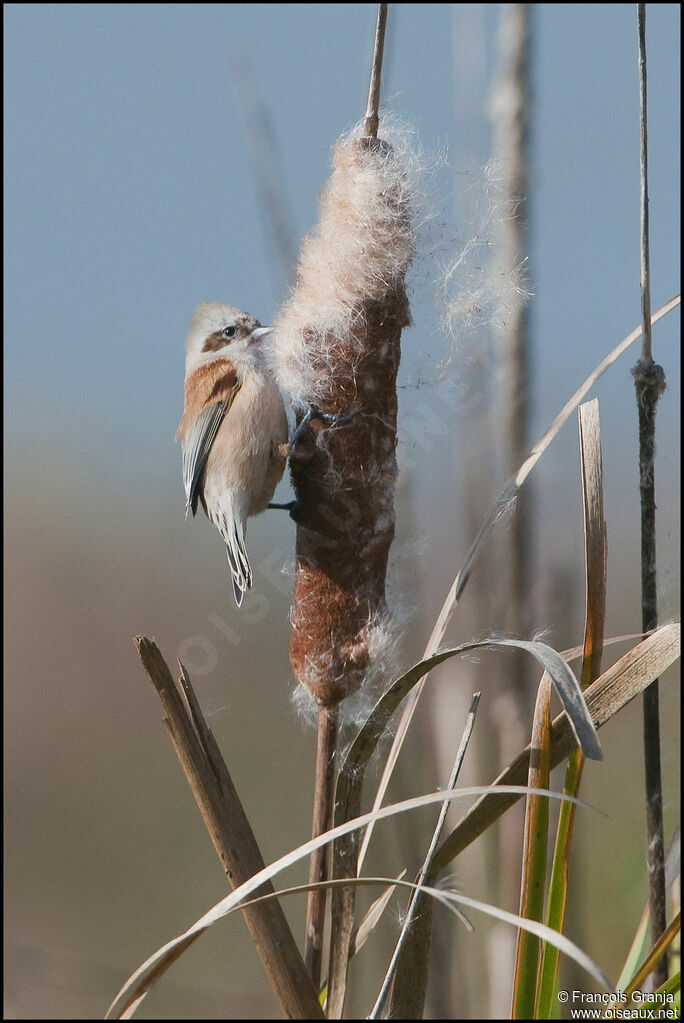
372 118
510 118
650 384
534 857
595 558
510 115
322 819
409 964
645 258
267 173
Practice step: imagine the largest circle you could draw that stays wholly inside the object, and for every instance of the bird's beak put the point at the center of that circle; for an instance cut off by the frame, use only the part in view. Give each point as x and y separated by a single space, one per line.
258 333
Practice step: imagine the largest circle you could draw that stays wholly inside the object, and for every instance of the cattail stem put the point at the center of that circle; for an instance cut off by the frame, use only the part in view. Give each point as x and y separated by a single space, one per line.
324 794
372 118
336 352
650 384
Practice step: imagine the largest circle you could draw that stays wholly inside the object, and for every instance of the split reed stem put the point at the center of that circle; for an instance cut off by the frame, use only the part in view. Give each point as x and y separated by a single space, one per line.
230 831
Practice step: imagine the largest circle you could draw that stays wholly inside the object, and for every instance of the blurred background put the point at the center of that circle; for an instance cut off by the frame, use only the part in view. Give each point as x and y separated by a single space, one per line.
159 155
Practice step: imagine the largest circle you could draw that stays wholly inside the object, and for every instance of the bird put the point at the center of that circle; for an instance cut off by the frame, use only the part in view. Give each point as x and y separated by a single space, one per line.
234 428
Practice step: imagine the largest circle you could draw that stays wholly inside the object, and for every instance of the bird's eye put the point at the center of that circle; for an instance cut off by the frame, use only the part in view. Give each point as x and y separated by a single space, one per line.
228 331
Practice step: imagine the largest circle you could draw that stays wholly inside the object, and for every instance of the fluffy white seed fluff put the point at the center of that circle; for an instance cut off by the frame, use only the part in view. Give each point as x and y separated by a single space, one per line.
360 248
353 256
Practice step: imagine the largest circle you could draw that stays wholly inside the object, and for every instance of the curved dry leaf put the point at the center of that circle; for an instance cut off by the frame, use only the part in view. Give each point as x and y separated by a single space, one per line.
156 965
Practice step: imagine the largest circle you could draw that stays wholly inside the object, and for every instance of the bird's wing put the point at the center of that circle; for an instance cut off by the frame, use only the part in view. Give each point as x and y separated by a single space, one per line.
197 445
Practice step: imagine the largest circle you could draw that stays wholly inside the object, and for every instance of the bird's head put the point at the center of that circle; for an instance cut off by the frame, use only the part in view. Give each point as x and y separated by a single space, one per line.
223 332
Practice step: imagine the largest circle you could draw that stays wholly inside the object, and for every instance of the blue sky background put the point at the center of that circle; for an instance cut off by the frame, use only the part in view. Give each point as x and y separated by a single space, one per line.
130 193
130 196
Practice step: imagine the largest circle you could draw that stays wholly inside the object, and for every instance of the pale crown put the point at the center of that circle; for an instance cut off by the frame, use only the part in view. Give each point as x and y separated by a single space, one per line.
219 332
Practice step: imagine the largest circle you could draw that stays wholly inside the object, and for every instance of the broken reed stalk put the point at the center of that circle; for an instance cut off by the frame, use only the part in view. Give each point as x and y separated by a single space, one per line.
336 349
650 384
230 832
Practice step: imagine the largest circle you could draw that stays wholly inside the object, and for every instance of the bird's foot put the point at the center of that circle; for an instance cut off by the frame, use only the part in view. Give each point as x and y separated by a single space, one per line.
290 506
329 418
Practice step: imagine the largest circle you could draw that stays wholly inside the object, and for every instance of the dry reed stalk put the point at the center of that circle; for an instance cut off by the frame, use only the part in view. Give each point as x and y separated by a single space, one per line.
510 117
650 383
409 965
372 119
267 171
324 787
230 832
513 554
595 565
535 842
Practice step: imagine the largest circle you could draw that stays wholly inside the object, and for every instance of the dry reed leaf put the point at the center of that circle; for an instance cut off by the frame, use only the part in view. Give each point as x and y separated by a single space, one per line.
655 955
553 663
451 899
154 967
595 541
373 916
615 688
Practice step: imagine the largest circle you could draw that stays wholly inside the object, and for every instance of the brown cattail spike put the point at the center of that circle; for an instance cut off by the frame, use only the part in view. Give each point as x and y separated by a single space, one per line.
342 329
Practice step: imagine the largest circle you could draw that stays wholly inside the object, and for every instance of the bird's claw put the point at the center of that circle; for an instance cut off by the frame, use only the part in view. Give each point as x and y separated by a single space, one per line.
329 418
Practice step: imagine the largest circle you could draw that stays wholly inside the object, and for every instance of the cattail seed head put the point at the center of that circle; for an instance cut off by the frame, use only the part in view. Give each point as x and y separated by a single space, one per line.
337 346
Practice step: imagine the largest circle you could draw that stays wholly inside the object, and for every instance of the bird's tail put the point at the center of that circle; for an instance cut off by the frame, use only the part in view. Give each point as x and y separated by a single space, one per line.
231 524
